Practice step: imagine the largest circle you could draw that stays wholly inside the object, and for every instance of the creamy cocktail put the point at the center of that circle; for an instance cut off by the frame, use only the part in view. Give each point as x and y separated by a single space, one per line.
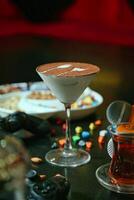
67 81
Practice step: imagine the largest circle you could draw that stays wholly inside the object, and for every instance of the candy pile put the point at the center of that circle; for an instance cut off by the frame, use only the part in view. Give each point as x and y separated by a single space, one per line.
82 138
84 102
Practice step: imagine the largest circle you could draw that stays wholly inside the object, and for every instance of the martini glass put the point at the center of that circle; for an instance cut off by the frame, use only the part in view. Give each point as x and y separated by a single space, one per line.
67 81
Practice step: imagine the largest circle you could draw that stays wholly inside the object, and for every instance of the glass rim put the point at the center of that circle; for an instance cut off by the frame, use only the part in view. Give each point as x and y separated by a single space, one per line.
65 77
122 134
85 75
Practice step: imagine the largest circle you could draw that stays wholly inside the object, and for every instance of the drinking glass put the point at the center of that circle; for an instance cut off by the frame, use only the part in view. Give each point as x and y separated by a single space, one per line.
67 89
118 176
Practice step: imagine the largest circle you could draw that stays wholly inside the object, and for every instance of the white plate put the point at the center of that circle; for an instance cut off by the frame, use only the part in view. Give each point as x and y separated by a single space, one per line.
48 108
23 105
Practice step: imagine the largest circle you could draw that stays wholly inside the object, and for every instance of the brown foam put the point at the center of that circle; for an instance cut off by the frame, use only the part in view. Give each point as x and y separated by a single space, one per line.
68 69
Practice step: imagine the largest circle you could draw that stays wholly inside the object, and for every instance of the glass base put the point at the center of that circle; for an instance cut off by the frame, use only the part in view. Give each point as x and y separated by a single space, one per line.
105 181
68 158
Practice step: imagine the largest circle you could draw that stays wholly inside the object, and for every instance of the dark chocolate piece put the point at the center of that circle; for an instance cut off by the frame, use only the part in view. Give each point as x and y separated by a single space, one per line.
21 120
55 188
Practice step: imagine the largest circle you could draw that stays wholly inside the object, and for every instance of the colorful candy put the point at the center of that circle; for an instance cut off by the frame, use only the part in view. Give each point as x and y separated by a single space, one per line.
84 102
81 143
78 130
103 133
59 121
75 105
62 142
91 126
64 127
75 139
87 100
88 145
81 137
85 135
54 145
98 122
101 139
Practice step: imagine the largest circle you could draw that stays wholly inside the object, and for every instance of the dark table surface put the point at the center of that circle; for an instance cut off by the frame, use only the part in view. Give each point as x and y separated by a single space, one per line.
19 57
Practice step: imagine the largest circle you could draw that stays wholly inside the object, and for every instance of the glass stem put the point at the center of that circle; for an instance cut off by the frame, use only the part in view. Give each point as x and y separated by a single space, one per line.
68 144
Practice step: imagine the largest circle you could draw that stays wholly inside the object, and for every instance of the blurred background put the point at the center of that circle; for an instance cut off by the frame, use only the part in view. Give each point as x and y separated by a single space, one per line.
101 32
40 31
